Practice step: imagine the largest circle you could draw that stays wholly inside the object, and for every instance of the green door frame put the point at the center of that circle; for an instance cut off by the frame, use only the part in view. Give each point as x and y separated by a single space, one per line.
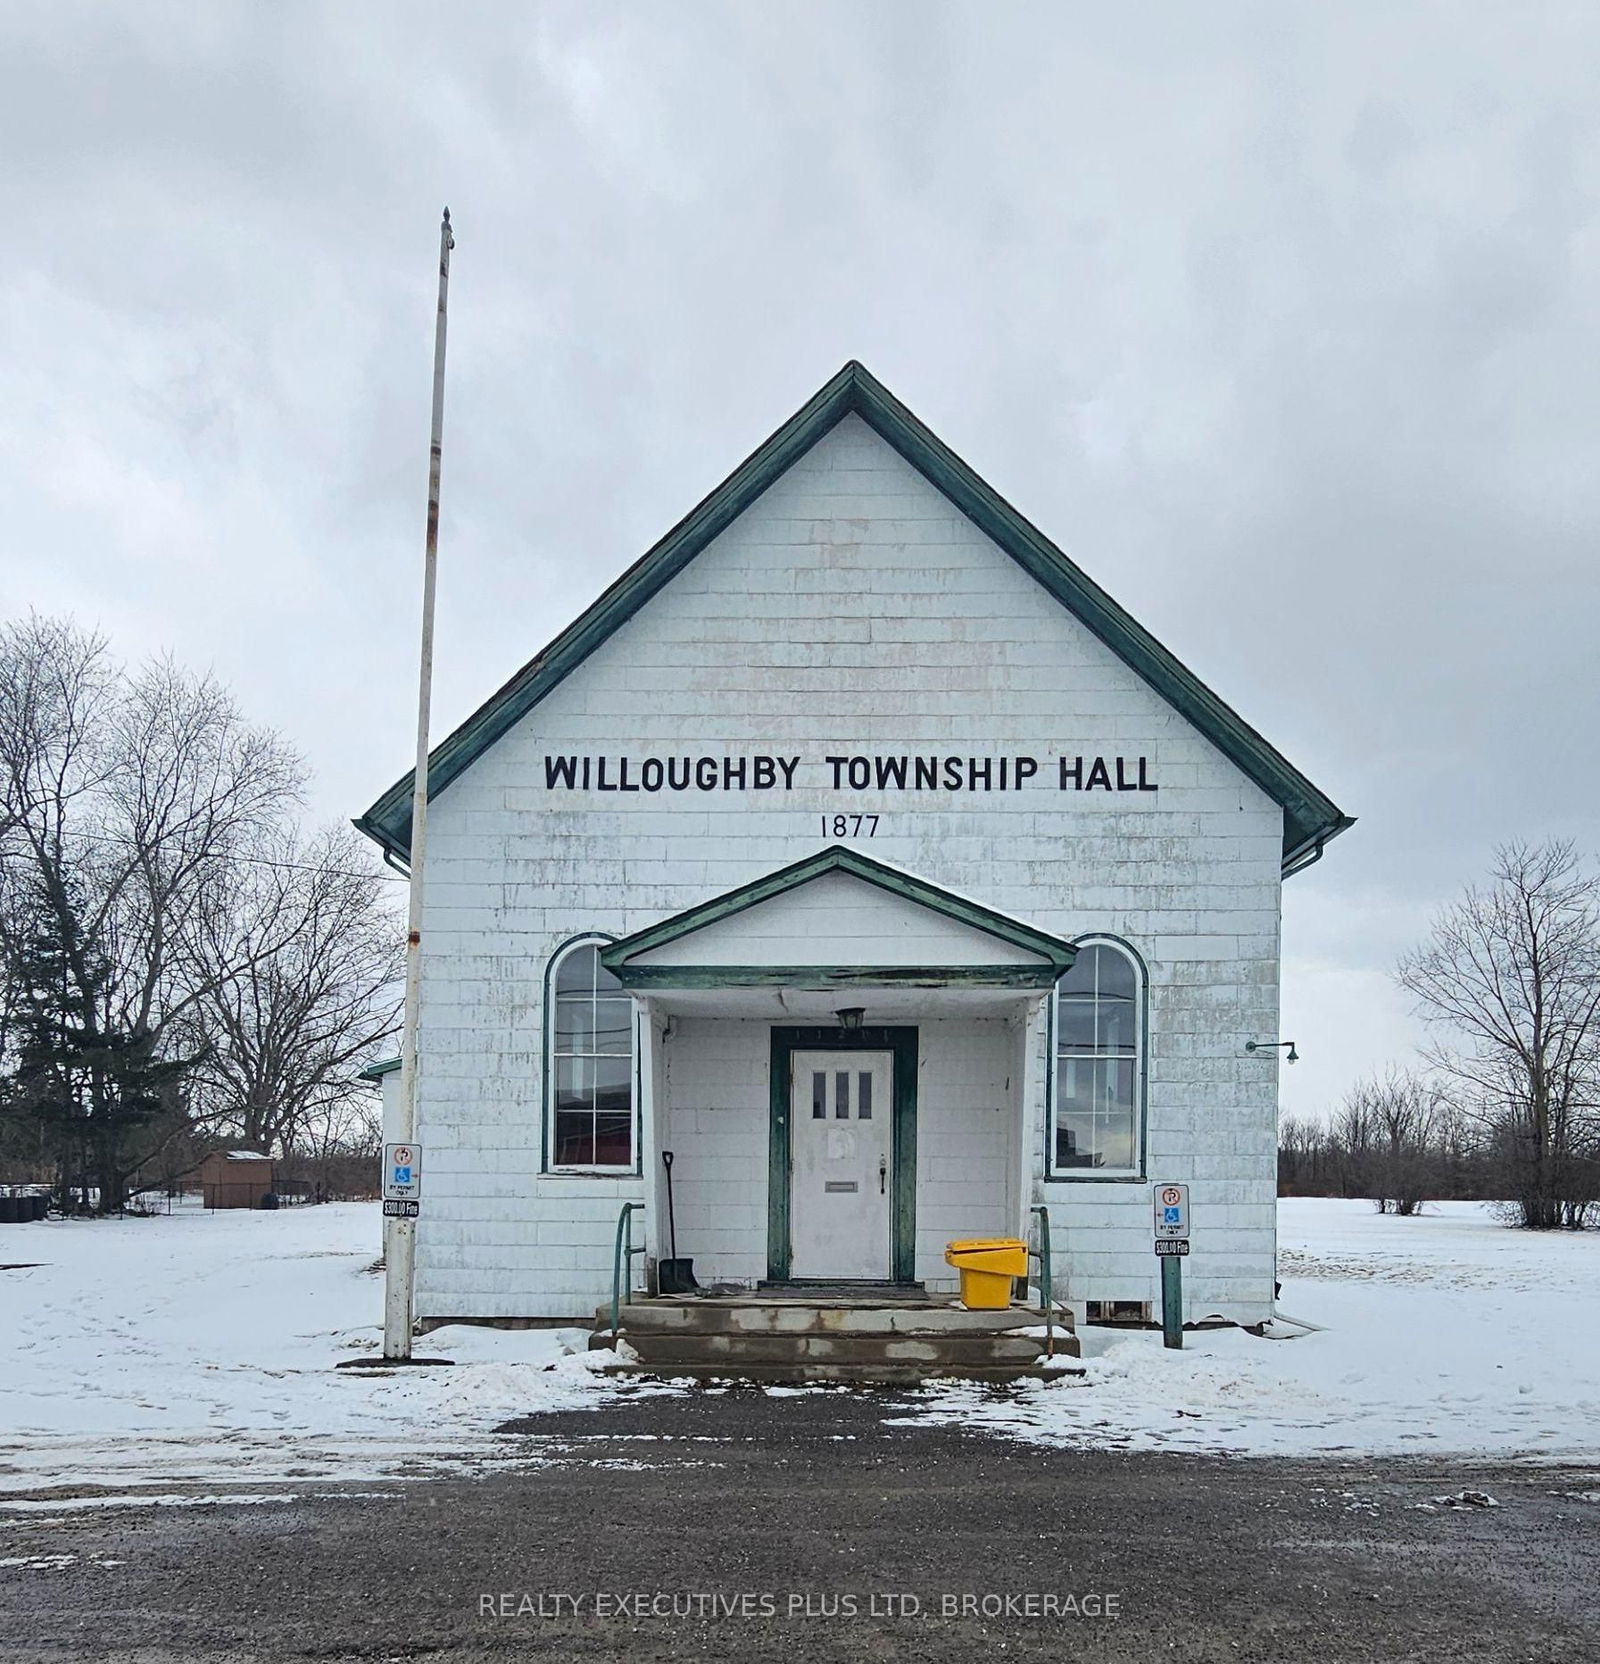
902 1044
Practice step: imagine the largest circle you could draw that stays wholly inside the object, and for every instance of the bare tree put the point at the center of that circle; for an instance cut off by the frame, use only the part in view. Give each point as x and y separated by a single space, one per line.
1301 1156
1389 1126
1513 972
300 960
337 1147
124 800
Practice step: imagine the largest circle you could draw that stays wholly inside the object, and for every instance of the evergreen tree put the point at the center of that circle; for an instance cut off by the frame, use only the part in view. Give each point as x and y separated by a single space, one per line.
90 1089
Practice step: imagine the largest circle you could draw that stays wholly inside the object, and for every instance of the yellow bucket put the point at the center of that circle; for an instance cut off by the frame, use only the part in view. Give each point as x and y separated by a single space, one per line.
988 1266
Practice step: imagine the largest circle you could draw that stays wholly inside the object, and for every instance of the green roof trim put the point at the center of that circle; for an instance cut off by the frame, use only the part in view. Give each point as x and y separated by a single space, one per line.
376 1071
1055 954
642 978
1310 817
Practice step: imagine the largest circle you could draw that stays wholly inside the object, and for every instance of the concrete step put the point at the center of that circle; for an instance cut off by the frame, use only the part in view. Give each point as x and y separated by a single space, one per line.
924 1351
707 1317
852 1374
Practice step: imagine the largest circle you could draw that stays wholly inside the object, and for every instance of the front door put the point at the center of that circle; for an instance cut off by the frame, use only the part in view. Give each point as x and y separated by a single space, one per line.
842 1185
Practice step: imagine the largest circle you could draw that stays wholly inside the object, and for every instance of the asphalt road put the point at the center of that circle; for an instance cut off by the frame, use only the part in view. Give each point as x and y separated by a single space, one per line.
743 1526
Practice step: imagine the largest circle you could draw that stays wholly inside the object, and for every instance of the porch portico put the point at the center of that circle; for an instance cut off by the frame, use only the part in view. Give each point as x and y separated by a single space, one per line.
847 1064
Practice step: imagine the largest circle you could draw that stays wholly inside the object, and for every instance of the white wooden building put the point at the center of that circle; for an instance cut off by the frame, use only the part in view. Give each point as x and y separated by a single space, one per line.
860 851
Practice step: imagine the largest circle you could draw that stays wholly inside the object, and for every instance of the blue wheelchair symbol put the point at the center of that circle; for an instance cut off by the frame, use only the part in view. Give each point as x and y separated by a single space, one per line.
402 1175
1172 1216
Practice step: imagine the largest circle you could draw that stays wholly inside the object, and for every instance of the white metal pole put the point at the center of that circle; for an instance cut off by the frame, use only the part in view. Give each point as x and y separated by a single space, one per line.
400 1235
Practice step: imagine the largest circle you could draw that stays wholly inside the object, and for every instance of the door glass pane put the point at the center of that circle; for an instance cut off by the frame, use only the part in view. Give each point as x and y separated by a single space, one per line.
864 1096
841 1095
575 973
819 1096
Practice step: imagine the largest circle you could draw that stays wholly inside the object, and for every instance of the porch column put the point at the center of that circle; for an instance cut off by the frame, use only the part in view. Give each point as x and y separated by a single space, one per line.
1033 1039
651 1031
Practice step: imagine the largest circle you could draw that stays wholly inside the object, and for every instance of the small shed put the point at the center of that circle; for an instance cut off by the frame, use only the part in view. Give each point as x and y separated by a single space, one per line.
235 1178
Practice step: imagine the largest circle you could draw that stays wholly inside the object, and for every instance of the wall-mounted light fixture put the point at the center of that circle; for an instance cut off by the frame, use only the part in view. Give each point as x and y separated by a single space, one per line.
850 1017
1272 1046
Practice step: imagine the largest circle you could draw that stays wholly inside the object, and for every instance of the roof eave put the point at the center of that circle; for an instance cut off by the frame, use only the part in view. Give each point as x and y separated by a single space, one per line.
1308 851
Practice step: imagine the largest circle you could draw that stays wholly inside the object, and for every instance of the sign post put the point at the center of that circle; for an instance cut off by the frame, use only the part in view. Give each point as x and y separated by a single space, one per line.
1172 1248
402 1181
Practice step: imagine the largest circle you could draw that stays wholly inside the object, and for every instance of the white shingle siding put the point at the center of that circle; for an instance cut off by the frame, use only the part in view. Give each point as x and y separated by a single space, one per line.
851 610
968 1124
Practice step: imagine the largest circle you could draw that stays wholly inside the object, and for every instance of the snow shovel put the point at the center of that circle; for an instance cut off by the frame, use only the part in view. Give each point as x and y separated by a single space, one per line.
674 1276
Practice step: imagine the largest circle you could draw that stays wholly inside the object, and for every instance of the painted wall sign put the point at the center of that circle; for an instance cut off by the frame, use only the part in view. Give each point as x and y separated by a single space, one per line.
900 772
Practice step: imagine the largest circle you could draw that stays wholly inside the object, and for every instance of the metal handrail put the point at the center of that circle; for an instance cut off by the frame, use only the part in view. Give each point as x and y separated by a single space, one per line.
1047 1281
623 1253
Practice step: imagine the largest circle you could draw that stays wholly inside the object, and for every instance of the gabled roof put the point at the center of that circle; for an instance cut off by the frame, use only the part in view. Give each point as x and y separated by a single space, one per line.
1054 955
1310 818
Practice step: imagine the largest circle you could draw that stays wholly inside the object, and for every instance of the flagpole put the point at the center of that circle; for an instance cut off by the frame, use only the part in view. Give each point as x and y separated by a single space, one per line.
400 1236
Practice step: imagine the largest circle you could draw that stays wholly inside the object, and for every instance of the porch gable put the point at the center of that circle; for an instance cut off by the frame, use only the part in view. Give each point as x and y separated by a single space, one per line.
839 918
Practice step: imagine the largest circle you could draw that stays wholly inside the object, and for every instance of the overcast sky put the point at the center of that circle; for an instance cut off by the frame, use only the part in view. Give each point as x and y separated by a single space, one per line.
1281 320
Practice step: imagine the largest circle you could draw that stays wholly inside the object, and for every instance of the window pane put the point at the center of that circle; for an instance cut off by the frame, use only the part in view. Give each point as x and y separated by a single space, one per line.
1099 1018
613 1084
841 1095
1115 1135
864 1096
613 1027
594 1112
819 1095
1114 972
574 1140
1075 1023
1114 1025
574 1023
1120 1091
1067 1152
1075 1086
1096 1124
613 1140
591 1065
575 973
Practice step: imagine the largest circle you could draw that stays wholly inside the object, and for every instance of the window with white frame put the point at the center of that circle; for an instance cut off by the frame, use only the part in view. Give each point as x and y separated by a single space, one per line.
591 1064
1099 1063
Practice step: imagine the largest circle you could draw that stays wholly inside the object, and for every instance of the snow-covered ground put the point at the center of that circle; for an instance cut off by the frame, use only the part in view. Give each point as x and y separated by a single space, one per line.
146 1355
1443 1333
201 1347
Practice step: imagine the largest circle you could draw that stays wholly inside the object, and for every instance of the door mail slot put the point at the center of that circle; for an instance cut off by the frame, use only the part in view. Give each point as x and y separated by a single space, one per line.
840 1186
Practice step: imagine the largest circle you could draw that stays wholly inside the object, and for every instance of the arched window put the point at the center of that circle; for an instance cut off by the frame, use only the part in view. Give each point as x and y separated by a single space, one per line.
1099 1062
590 1047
